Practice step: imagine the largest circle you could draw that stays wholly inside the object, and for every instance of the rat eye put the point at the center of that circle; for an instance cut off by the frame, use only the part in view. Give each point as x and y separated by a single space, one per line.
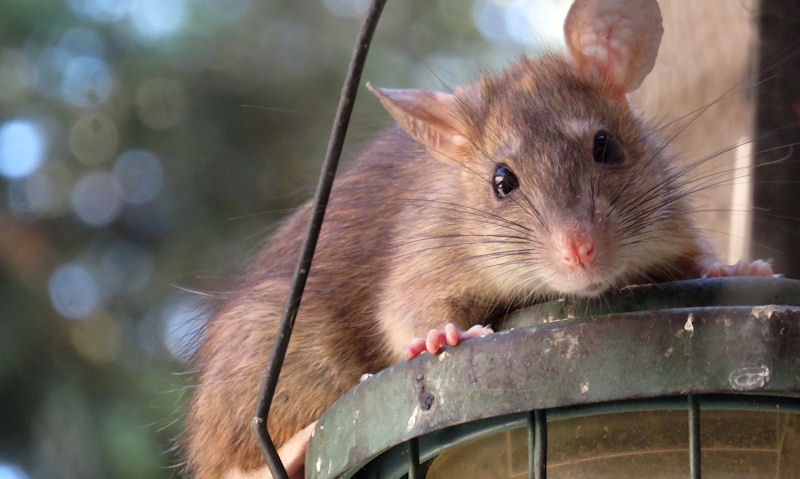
607 149
505 181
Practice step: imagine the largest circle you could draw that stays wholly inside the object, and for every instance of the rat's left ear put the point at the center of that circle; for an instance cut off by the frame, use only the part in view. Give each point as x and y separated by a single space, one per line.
431 118
616 40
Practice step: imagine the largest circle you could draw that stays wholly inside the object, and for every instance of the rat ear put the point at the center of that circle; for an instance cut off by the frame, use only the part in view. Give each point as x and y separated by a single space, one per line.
431 118
616 40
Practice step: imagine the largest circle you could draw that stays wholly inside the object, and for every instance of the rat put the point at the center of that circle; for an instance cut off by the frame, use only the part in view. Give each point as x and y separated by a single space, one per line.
537 182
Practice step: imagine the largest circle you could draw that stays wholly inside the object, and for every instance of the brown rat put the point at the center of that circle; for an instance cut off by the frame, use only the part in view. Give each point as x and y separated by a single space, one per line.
535 182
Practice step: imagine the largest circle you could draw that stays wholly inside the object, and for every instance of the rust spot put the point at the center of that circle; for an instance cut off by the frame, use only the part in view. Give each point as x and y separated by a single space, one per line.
426 400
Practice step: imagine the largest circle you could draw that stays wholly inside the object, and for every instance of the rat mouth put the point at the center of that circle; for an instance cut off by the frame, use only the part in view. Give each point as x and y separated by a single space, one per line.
595 288
588 284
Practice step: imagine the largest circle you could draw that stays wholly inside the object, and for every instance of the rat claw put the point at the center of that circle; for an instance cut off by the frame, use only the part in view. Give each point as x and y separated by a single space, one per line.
476 331
451 333
761 268
741 268
415 348
436 339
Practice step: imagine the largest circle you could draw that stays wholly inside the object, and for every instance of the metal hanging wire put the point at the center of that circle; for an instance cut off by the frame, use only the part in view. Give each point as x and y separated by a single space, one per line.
318 207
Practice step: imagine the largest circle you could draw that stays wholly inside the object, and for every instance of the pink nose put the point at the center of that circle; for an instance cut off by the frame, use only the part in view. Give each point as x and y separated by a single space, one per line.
577 249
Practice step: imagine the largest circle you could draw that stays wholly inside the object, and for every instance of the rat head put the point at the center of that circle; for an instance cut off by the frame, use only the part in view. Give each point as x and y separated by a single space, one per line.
574 194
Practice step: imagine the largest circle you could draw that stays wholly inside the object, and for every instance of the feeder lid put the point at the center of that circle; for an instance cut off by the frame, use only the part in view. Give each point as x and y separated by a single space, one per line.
688 337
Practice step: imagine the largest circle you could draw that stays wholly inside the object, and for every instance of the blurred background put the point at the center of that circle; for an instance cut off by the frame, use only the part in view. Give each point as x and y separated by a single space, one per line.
146 149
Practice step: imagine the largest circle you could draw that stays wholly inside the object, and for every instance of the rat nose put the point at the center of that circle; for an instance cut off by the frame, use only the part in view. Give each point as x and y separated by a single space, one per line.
577 249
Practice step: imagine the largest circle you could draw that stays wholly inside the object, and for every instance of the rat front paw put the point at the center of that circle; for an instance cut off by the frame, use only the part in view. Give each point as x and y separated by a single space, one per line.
439 338
742 268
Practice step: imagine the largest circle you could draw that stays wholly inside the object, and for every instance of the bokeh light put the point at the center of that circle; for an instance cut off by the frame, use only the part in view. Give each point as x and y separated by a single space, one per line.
48 69
74 291
532 24
539 25
82 42
31 197
157 18
86 82
489 17
42 194
22 148
98 337
138 176
100 10
184 316
10 471
94 138
95 199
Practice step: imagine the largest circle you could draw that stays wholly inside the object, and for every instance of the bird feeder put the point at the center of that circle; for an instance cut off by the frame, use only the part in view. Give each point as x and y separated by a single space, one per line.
672 380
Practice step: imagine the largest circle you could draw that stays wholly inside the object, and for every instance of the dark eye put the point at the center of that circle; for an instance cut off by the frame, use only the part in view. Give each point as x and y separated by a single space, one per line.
505 181
607 149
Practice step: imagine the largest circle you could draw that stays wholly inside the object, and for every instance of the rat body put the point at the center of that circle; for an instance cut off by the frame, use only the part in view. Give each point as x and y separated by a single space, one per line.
539 181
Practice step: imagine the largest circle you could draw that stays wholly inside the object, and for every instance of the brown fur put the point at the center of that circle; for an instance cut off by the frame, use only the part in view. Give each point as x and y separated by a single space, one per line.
412 241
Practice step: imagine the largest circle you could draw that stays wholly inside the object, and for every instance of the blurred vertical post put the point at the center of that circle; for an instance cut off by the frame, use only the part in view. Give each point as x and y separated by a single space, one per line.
699 96
776 199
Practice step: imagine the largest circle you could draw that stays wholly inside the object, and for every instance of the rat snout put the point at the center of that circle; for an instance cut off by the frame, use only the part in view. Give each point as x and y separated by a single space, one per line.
577 249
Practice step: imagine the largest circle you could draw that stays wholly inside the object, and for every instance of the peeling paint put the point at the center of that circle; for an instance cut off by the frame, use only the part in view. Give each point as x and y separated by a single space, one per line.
412 421
573 343
669 352
585 387
688 326
766 311
749 378
444 355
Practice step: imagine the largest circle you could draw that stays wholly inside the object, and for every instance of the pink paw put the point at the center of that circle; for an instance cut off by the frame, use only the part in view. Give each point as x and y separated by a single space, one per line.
742 268
438 338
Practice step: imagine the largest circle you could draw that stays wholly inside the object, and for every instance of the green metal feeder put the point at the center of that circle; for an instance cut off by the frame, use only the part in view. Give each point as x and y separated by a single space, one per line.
657 381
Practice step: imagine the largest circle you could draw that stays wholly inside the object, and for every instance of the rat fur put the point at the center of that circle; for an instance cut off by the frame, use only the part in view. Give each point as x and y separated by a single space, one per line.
416 236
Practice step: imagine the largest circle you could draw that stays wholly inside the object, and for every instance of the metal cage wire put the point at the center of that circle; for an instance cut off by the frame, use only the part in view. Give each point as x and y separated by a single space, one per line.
535 424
